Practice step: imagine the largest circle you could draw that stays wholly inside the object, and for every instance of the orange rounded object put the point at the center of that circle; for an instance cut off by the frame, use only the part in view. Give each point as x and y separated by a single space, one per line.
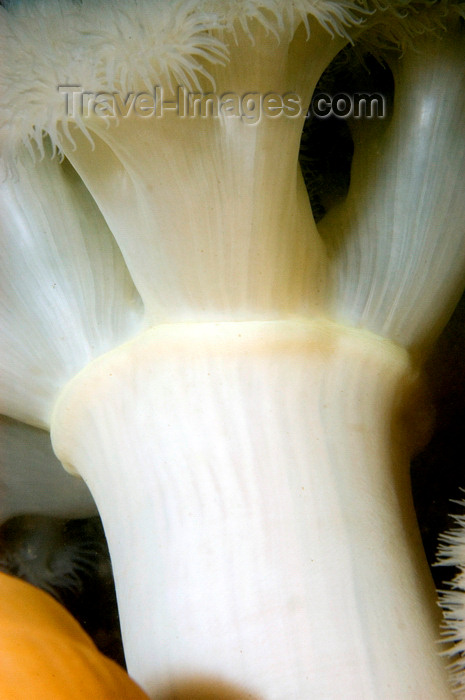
46 655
